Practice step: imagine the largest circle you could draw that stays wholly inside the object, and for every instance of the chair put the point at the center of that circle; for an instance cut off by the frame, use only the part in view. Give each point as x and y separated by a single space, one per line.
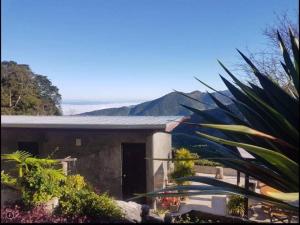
275 214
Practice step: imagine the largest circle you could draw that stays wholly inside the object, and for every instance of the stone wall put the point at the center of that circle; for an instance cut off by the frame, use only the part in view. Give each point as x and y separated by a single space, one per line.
212 170
9 194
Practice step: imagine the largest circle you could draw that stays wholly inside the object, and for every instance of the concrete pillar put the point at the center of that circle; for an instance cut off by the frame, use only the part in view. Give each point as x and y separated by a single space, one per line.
65 167
219 172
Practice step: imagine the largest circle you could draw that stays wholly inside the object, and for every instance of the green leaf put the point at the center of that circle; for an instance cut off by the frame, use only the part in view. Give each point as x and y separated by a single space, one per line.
295 49
197 100
18 156
212 88
288 62
278 118
280 99
247 130
218 187
237 190
285 196
252 113
284 164
229 113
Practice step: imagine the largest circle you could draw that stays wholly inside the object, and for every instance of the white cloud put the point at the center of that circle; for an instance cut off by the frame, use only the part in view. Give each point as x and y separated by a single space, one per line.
72 109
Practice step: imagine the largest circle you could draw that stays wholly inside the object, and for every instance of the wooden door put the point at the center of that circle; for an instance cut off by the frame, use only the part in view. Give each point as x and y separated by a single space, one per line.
133 170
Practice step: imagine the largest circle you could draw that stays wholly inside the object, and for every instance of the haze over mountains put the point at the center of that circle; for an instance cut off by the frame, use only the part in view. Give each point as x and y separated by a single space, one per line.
167 105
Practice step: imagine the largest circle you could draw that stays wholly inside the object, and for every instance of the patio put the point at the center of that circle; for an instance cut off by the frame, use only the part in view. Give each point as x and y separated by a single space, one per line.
216 204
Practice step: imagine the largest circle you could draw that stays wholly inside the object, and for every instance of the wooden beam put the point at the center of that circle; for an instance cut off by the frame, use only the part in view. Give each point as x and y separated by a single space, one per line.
238 178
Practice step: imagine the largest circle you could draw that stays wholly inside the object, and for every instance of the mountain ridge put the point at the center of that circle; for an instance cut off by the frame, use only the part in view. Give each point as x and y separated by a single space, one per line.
166 105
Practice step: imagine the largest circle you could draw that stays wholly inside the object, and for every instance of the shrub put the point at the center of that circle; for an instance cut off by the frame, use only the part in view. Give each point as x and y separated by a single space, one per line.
40 181
7 179
15 214
236 205
186 218
40 185
76 182
85 202
183 168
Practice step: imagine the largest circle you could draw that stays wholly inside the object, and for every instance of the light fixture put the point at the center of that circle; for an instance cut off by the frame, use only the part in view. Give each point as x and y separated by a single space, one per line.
78 142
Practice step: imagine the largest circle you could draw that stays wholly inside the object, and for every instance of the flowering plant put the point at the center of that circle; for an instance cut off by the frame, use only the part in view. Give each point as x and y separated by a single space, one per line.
166 202
14 213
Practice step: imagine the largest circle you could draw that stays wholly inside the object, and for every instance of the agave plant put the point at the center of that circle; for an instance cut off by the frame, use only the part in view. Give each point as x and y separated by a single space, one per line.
266 127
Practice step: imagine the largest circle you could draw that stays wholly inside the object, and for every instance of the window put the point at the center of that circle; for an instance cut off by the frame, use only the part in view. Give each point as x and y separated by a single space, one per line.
31 147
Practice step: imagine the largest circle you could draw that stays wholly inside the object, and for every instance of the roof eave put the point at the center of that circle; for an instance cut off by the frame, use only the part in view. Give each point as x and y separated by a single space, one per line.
85 126
173 124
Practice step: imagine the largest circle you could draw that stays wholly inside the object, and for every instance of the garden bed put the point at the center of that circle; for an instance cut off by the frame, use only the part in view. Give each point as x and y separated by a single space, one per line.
51 195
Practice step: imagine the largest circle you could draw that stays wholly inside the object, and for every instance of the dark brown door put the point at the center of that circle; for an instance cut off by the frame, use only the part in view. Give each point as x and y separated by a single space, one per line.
133 170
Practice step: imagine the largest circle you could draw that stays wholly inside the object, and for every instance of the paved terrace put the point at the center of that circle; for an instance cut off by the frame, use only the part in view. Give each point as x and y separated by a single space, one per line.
204 202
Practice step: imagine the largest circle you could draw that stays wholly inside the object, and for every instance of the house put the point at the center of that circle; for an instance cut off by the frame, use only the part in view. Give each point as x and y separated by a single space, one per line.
110 150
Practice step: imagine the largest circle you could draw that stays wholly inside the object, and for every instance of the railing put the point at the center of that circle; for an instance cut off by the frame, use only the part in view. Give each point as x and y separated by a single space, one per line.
68 165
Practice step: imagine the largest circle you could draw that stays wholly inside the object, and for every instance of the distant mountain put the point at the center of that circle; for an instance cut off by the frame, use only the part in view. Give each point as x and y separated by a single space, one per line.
184 134
167 105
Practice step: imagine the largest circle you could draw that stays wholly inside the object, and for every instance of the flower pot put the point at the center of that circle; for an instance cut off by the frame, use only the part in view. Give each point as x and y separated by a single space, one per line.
174 208
51 205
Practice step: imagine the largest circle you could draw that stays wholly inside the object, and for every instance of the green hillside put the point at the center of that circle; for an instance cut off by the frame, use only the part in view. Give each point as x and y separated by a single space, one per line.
167 105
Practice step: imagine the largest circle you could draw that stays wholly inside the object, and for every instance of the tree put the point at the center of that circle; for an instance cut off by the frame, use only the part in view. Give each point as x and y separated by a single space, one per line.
269 61
25 93
49 95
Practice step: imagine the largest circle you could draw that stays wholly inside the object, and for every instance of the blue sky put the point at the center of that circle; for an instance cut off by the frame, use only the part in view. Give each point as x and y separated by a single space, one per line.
120 50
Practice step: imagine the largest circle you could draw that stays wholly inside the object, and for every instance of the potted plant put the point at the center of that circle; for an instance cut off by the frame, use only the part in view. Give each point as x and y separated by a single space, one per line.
169 203
235 205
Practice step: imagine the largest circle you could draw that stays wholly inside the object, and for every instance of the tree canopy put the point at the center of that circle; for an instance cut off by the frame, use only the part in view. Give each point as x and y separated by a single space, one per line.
26 93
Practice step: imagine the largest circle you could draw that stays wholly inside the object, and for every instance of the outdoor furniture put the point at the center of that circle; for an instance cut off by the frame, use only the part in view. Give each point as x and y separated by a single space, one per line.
276 214
206 217
252 185
247 156
68 165
260 184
